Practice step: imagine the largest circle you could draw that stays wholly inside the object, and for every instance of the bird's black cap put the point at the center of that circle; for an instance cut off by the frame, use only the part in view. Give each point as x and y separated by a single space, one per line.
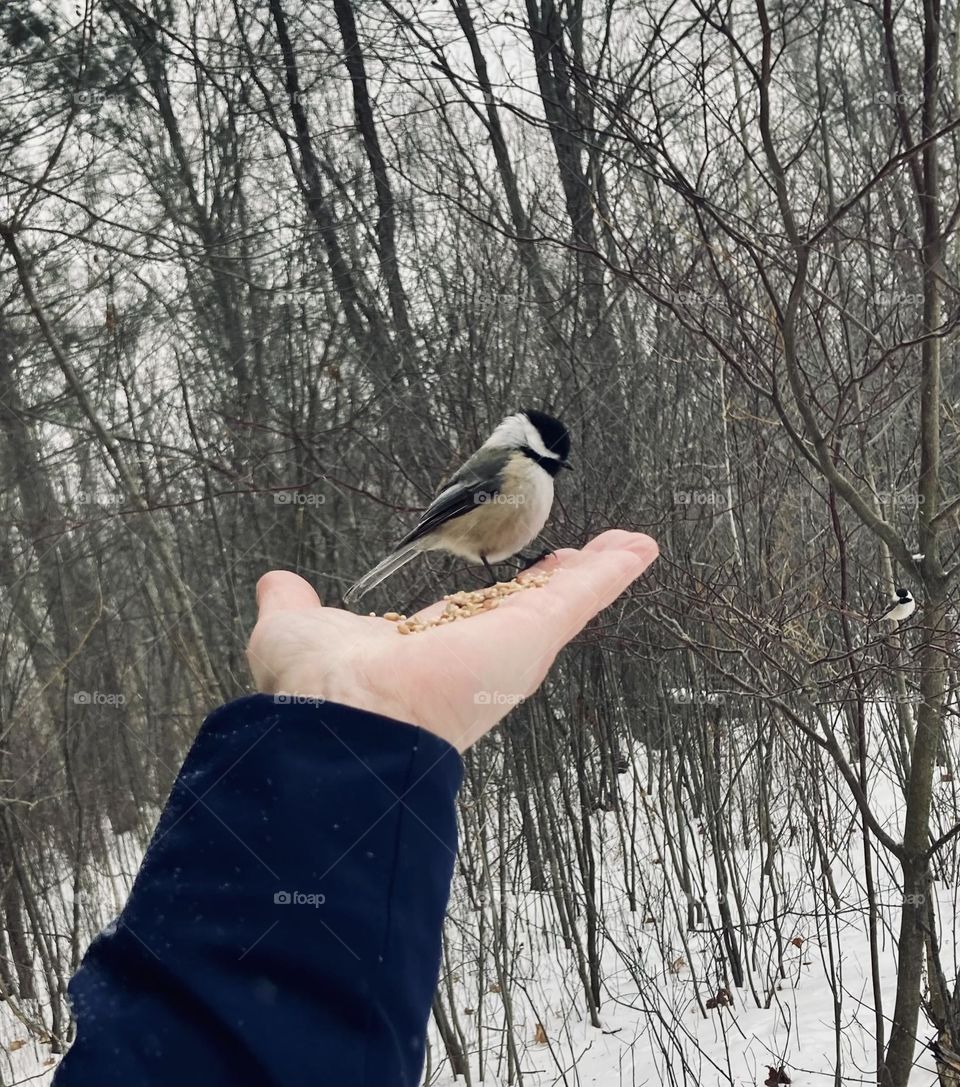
902 592
555 435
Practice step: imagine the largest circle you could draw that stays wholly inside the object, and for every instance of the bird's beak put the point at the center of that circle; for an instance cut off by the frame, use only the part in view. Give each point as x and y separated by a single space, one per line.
566 464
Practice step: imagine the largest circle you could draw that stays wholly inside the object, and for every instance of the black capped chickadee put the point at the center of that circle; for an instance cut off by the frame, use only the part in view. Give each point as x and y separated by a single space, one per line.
494 505
901 608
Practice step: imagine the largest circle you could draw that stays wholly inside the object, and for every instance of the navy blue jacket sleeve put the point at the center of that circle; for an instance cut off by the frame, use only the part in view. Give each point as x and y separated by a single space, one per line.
285 924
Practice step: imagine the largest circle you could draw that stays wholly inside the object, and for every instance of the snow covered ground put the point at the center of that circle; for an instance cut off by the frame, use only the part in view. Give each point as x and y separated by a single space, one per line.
814 1020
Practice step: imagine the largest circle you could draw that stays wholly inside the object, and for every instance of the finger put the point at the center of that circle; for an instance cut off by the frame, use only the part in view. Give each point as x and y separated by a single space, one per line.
618 539
614 539
583 584
282 590
632 553
587 581
591 577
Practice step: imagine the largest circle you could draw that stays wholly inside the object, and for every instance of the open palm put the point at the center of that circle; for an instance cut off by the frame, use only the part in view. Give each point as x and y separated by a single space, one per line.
457 680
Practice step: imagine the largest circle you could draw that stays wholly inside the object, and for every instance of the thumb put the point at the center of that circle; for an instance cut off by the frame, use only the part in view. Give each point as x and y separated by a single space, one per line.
282 590
278 592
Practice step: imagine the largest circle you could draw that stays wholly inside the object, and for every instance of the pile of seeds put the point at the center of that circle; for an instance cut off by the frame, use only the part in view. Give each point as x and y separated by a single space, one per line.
464 604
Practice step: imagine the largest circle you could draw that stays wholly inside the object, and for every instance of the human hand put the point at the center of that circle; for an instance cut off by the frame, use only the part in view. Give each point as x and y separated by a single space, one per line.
456 680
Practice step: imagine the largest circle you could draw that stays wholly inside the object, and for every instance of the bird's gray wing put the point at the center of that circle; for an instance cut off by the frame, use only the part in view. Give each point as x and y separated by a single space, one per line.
480 475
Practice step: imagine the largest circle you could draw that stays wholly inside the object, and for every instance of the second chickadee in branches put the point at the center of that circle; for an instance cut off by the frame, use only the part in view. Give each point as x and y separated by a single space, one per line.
493 505
902 607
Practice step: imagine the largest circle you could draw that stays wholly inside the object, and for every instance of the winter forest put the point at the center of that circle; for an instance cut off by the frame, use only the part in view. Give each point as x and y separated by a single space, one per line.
269 271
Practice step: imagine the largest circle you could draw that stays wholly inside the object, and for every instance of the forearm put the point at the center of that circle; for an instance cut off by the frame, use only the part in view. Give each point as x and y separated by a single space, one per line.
210 978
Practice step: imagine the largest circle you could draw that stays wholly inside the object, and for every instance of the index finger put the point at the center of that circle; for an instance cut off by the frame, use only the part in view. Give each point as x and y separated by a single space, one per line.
587 581
583 582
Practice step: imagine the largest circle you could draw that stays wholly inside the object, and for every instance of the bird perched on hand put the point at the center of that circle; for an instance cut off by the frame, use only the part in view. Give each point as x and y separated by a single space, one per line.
902 607
494 505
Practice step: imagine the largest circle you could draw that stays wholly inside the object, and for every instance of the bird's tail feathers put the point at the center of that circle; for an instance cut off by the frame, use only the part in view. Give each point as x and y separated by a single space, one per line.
380 572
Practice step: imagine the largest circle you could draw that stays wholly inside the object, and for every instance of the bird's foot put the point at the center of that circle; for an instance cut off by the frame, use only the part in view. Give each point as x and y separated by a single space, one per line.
526 563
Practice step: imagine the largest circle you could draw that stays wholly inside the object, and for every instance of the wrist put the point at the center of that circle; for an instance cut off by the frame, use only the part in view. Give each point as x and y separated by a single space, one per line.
344 692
